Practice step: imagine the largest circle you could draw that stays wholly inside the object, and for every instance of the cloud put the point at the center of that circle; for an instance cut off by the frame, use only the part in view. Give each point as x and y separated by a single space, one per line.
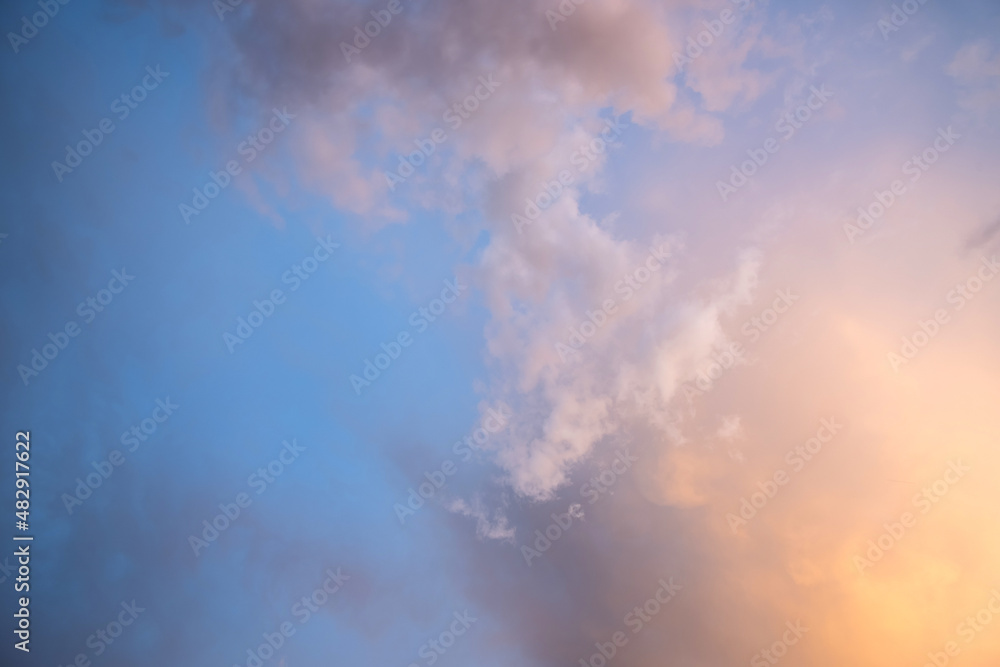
555 86
594 332
976 68
615 54
495 527
730 428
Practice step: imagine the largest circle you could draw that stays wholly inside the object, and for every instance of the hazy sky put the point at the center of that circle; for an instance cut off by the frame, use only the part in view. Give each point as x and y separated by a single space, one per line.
549 334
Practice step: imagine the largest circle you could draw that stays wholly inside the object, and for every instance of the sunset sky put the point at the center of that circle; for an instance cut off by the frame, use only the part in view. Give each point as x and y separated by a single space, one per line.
638 333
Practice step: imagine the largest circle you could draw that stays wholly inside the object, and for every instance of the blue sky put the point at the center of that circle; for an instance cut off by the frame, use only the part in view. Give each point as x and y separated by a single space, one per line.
162 337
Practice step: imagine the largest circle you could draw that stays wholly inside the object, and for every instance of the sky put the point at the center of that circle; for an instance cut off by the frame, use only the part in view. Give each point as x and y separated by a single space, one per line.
580 333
